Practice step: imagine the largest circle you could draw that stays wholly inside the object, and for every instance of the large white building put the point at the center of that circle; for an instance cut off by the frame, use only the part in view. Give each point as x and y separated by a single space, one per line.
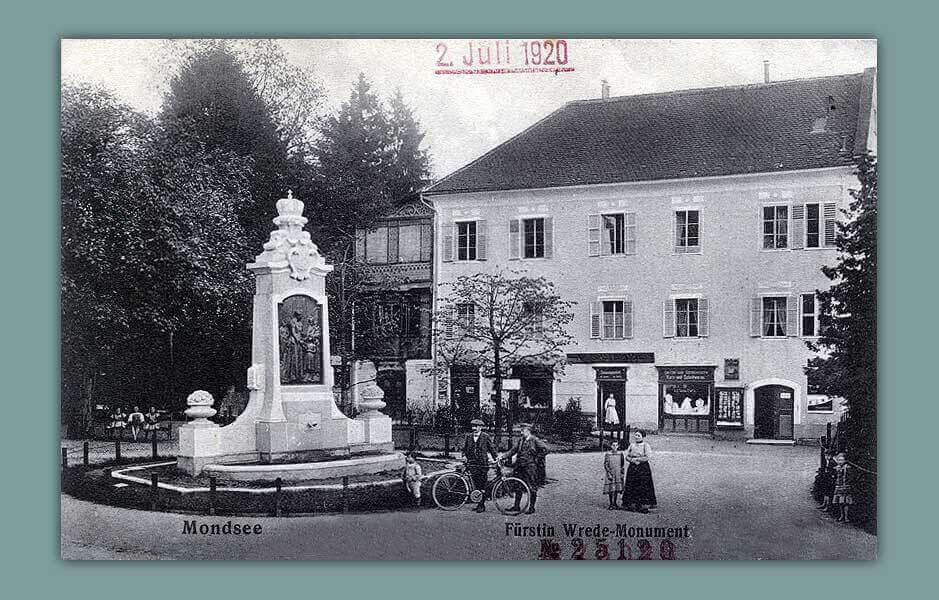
690 227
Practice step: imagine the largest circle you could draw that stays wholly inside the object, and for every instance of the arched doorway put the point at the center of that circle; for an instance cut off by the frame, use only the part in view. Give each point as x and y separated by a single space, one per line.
773 412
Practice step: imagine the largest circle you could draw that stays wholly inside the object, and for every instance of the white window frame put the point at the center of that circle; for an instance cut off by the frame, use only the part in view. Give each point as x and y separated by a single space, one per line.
522 235
697 318
456 241
785 335
687 249
775 206
821 226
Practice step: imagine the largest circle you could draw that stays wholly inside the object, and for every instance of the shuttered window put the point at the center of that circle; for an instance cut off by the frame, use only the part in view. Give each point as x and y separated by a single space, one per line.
470 240
611 319
685 317
779 316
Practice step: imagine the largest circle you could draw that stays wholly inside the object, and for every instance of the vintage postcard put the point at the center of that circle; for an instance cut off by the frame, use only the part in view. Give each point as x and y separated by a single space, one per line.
469 299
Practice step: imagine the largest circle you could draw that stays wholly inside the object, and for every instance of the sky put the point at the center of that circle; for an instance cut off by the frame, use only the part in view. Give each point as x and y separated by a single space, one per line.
466 115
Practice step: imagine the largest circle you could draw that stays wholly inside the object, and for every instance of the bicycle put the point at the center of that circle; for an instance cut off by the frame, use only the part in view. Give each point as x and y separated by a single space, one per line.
453 489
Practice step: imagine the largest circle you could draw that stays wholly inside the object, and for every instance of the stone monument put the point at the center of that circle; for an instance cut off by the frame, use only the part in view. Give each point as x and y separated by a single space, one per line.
291 421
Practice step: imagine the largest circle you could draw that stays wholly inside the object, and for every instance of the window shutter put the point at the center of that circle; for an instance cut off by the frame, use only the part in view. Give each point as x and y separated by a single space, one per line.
668 318
675 246
756 316
831 217
548 237
514 239
627 318
703 317
447 249
792 316
596 311
593 235
481 240
629 233
797 235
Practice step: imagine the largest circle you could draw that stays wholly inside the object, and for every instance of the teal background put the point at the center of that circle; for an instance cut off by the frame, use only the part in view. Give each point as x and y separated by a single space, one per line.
30 303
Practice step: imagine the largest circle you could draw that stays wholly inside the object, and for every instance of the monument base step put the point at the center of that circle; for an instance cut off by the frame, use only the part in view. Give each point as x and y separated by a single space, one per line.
324 469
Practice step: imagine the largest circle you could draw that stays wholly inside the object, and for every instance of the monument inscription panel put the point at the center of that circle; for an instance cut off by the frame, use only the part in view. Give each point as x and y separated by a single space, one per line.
300 320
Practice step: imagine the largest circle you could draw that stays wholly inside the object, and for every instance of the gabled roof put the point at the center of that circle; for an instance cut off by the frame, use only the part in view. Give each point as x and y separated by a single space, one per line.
673 135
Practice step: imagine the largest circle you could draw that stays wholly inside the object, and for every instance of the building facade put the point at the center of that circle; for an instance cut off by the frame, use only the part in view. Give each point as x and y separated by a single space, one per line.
393 315
690 228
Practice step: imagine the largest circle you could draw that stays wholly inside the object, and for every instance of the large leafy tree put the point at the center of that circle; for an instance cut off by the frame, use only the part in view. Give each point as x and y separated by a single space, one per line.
150 255
847 365
498 321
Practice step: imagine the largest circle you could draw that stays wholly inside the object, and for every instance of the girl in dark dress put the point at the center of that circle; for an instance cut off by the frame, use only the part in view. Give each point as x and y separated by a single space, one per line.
638 490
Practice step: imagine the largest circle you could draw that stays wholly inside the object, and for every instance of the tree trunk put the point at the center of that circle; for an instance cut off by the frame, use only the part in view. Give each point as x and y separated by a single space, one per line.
497 393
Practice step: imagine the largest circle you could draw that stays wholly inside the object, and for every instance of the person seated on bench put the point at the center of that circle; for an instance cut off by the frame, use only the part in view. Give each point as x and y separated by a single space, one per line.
118 422
151 424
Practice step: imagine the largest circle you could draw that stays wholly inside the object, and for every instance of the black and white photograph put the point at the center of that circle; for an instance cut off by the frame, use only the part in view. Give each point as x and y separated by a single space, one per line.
468 299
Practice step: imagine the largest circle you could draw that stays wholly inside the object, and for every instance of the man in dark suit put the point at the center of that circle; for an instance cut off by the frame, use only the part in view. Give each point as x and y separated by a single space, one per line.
529 453
477 448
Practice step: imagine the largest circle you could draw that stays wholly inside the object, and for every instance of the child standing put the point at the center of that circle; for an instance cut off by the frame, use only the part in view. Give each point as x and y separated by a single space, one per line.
412 478
638 489
844 479
827 482
613 465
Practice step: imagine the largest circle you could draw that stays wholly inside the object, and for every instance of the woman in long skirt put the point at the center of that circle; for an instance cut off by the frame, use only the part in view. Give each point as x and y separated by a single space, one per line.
613 465
639 490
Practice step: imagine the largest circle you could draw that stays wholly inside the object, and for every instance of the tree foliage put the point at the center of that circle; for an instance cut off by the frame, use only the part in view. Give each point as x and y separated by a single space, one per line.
151 248
498 321
847 366
213 104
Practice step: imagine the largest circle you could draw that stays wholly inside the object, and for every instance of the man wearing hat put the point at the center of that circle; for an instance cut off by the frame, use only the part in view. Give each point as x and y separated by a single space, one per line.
477 448
529 452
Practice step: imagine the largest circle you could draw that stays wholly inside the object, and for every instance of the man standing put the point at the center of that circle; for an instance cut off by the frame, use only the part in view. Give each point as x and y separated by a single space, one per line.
477 448
529 452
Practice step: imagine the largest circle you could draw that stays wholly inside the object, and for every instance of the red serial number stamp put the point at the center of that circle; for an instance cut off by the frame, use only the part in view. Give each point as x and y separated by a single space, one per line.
500 57
620 549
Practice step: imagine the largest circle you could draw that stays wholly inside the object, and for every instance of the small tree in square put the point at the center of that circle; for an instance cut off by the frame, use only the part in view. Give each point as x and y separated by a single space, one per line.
498 321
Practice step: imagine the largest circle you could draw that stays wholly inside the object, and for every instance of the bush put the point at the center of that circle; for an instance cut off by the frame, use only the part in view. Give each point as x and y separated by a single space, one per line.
570 420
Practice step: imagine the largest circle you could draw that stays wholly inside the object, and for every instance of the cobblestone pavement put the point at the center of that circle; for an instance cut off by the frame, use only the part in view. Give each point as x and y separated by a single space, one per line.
738 502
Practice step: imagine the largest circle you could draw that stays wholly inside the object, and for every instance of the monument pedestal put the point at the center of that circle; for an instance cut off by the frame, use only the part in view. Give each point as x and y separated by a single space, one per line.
291 415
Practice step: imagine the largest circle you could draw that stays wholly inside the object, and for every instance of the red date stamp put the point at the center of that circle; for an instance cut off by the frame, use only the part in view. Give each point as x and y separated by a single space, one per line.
500 57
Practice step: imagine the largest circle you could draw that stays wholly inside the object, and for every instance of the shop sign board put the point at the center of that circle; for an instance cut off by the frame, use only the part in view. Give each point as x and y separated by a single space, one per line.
729 407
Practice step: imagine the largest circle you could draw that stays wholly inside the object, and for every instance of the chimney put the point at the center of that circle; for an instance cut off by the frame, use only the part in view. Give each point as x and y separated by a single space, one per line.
604 89
765 71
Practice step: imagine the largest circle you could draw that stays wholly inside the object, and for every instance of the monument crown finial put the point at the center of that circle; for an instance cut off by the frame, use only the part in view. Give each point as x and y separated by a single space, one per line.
290 194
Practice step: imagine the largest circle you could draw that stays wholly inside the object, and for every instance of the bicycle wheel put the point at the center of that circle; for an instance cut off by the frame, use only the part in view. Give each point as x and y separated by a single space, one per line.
450 491
506 492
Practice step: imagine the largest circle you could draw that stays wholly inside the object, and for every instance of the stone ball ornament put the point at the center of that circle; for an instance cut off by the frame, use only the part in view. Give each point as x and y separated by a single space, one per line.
200 407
